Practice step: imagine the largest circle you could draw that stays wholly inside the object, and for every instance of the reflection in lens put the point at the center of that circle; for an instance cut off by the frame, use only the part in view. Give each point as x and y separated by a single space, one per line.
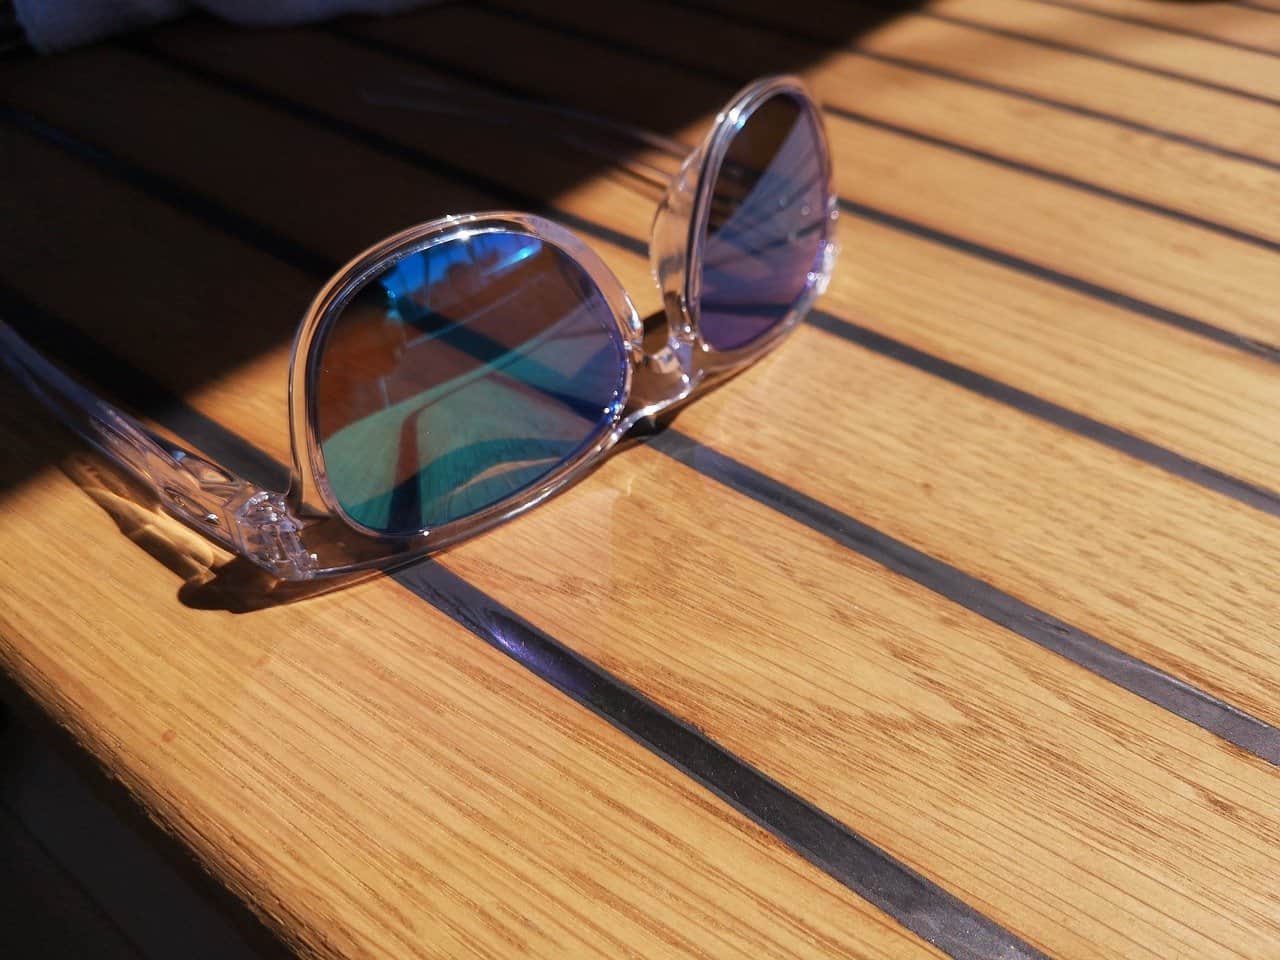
460 376
767 223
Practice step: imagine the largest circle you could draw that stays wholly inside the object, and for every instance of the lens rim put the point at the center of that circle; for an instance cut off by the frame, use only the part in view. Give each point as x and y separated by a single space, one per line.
709 159
311 483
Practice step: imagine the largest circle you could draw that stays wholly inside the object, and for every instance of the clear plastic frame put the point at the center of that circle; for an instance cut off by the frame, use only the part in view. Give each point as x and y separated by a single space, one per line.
303 533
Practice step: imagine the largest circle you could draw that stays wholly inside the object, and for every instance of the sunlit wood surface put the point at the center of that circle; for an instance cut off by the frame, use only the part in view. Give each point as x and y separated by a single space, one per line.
1046 374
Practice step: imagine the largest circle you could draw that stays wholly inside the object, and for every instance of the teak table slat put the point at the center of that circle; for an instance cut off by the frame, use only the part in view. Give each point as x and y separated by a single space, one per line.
1009 210
1200 59
1142 100
1237 24
946 630
1095 154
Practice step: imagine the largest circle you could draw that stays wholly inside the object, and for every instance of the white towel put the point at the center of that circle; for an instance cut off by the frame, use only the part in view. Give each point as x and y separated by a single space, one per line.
53 25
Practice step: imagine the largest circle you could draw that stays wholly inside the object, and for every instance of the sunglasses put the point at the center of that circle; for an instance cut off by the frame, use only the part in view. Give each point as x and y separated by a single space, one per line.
458 373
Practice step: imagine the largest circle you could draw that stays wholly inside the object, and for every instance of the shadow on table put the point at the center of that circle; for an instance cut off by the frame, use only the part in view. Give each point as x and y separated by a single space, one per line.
176 198
86 874
156 263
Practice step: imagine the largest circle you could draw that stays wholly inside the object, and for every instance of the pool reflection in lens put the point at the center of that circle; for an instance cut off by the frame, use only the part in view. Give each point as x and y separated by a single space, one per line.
460 375
461 371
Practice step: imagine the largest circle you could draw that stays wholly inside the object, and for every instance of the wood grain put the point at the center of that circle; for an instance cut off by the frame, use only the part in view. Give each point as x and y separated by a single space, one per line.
1137 97
1231 67
1047 335
1100 154
1037 467
1226 22
1173 265
375 780
836 665
888 255
400 790
1218 650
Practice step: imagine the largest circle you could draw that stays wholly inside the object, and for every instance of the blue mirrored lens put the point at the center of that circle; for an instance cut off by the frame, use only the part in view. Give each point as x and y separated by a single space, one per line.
462 375
767 223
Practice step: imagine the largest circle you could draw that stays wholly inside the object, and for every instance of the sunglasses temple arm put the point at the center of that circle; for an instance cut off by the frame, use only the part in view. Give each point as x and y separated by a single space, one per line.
590 132
236 514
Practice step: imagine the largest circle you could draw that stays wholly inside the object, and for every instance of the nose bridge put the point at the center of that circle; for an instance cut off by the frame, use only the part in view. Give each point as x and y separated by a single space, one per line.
660 381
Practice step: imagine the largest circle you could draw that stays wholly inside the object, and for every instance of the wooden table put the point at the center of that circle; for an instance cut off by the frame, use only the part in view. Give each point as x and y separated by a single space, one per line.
950 629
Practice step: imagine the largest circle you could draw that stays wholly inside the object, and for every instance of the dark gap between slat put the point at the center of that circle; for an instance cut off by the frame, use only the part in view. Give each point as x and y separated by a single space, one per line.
1102 57
1064 179
1161 27
1260 498
916 902
1187 468
945 920
955 242
1043 629
379 142
789 31
898 129
1185 700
